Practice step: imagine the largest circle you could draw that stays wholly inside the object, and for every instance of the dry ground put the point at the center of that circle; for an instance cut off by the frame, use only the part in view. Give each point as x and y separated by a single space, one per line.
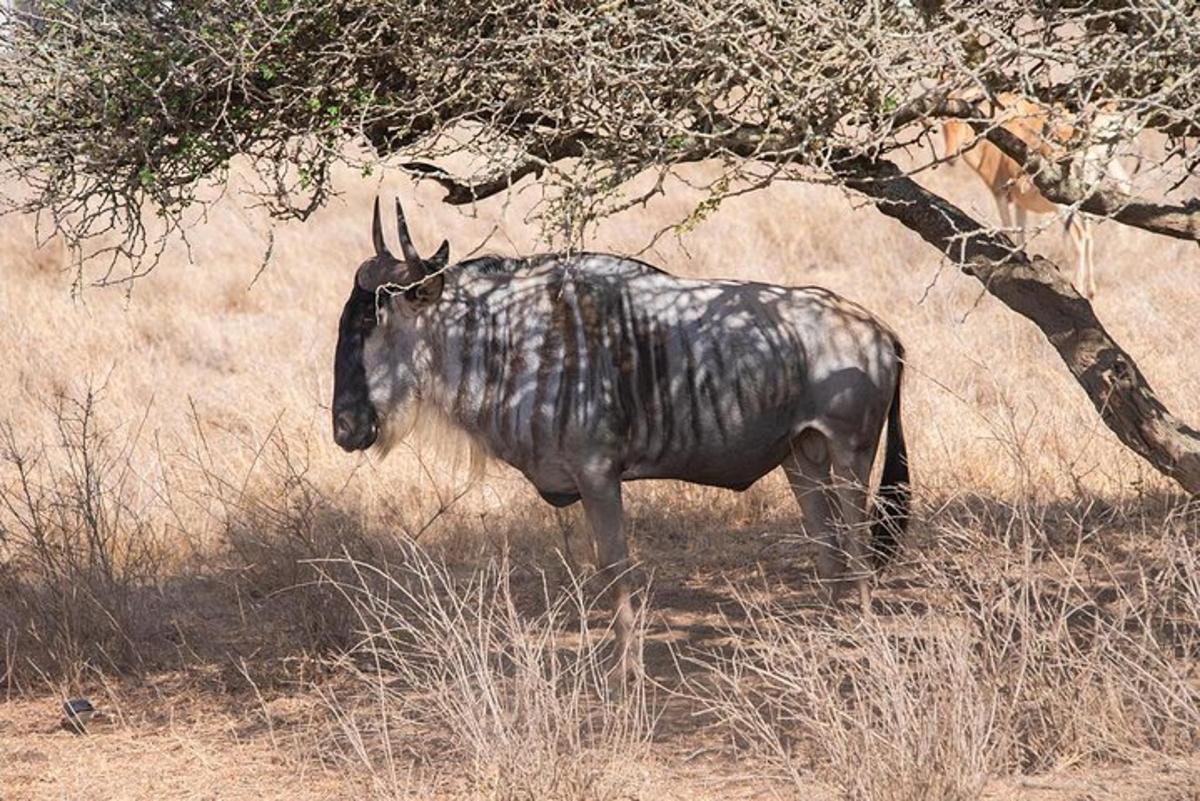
172 496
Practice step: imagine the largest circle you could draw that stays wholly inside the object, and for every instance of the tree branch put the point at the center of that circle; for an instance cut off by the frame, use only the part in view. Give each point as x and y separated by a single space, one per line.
1103 199
1036 289
516 122
459 193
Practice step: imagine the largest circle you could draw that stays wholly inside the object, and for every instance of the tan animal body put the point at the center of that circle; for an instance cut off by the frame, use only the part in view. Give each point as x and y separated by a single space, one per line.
1015 192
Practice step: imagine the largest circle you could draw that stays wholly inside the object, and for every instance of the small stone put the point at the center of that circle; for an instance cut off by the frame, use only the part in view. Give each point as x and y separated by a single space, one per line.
76 714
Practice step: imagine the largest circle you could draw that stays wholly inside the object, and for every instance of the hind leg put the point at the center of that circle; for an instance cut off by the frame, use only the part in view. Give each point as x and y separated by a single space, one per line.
852 473
1021 218
807 467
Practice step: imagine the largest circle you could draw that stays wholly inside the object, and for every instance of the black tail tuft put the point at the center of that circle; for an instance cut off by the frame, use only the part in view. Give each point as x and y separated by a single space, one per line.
893 501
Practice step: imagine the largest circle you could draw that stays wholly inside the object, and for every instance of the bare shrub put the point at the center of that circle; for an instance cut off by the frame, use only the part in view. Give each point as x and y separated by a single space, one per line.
271 521
449 671
275 523
79 548
1081 645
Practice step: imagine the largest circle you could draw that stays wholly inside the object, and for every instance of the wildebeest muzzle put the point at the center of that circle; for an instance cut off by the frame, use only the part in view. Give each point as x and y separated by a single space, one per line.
355 428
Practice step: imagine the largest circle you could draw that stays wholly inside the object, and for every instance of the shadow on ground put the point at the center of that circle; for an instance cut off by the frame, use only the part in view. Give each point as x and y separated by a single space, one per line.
267 613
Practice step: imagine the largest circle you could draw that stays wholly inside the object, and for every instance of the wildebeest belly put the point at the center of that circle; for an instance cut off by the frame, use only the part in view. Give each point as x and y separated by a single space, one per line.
733 456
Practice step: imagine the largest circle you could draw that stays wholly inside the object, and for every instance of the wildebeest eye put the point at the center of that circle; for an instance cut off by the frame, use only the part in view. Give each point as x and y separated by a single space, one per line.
370 315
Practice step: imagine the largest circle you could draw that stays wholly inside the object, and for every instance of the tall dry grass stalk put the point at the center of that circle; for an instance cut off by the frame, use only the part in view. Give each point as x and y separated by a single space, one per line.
521 705
870 709
1009 660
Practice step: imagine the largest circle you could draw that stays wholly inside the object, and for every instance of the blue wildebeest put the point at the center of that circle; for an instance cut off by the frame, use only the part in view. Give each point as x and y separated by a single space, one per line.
587 370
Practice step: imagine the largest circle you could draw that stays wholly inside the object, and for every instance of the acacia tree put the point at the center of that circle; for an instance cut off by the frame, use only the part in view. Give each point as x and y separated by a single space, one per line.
106 107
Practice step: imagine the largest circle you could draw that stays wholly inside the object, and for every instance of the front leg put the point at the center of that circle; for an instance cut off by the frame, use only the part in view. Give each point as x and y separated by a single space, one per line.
602 506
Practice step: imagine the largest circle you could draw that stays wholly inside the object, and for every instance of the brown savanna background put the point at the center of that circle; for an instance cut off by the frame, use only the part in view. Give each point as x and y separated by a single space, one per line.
179 530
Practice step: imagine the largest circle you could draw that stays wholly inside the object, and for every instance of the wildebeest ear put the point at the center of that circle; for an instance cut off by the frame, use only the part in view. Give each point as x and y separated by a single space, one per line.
430 288
426 292
438 261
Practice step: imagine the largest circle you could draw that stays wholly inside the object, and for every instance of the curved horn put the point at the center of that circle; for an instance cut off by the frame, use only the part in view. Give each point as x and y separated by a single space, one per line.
377 232
410 252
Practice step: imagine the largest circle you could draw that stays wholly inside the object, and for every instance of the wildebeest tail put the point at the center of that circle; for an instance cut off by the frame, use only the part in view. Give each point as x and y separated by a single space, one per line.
894 499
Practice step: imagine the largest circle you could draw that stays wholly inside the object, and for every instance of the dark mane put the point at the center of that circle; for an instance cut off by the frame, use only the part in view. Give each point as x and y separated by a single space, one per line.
492 265
502 265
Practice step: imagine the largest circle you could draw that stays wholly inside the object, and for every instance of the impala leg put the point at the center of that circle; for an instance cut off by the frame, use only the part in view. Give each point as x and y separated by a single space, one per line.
1089 255
852 472
1079 232
602 506
1021 216
807 468
1006 217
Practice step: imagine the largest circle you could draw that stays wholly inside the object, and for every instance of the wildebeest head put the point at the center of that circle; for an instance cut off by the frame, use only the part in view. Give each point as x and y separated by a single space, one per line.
386 289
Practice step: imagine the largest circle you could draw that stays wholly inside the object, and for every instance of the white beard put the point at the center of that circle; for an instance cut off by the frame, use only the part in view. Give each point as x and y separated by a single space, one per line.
406 417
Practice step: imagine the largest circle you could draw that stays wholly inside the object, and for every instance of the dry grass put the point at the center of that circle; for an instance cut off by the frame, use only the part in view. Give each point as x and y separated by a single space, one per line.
1019 660
522 705
174 515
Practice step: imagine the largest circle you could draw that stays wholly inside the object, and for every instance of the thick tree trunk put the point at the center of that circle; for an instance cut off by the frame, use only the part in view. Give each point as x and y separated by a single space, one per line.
1036 288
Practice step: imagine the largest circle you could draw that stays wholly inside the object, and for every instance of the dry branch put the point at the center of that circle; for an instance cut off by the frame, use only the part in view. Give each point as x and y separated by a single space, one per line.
459 193
1101 198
